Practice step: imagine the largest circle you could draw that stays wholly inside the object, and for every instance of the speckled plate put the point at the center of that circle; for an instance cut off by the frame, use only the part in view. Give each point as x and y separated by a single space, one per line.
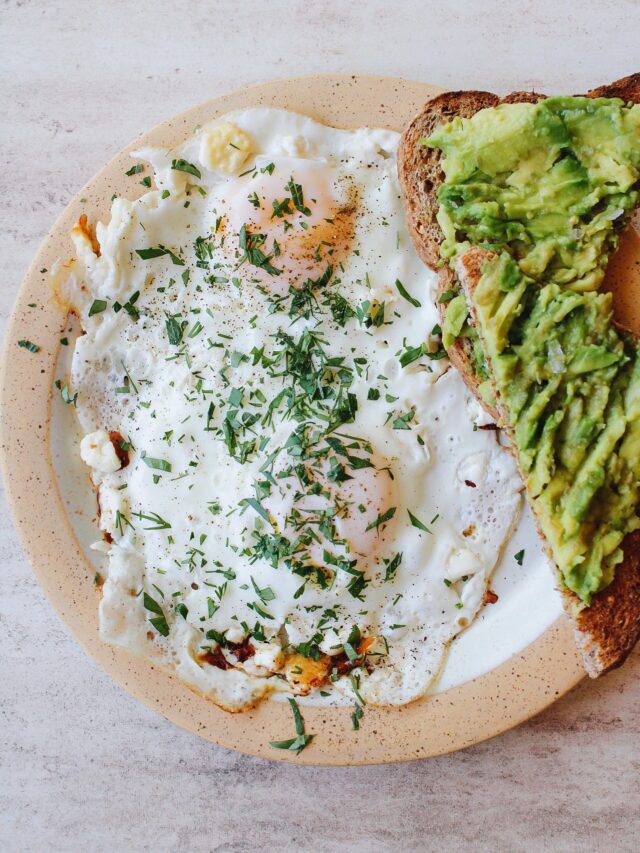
456 718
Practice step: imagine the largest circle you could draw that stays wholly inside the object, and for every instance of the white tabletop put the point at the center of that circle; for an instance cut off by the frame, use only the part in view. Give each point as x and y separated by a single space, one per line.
84 766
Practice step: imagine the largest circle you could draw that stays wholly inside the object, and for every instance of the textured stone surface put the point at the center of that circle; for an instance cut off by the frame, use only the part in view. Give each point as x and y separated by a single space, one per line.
84 766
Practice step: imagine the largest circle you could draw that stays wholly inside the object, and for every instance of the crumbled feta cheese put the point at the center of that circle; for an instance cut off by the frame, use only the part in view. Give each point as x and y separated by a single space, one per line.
98 452
224 148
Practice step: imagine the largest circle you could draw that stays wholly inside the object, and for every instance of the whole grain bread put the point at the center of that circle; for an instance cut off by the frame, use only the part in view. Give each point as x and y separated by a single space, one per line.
420 173
609 628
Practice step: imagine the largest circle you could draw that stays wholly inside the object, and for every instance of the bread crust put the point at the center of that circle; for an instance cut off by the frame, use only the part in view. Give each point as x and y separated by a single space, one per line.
420 173
609 628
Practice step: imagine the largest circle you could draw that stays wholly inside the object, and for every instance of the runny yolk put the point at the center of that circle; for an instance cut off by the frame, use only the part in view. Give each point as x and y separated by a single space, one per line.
368 498
362 510
300 241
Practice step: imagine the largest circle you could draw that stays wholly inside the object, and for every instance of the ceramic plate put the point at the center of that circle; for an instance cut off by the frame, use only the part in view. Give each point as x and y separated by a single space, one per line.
503 670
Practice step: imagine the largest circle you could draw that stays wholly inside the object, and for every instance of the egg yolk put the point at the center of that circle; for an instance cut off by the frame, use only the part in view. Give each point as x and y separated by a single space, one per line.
345 510
366 521
297 217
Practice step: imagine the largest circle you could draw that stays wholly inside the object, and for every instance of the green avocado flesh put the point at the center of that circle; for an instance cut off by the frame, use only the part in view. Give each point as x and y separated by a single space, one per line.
570 388
548 186
549 182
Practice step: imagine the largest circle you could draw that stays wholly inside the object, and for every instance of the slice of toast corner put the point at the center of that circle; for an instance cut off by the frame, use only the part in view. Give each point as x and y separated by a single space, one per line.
420 174
609 628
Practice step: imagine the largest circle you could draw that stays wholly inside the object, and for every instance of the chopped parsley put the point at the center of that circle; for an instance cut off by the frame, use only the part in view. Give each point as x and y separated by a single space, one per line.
158 252
391 566
406 295
412 354
182 609
301 740
297 197
65 393
174 330
403 421
97 307
156 464
382 519
251 246
417 523
158 621
266 594
184 166
29 345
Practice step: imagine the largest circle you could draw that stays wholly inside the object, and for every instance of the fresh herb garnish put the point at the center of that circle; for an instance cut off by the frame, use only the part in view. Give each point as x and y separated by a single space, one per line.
417 523
265 594
382 519
65 393
412 354
97 307
174 330
156 464
358 710
257 506
157 522
298 743
406 295
391 566
129 306
297 197
184 166
403 421
29 345
158 252
159 621
253 254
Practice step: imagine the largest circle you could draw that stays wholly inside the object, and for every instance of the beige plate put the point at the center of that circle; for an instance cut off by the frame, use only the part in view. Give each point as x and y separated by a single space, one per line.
457 718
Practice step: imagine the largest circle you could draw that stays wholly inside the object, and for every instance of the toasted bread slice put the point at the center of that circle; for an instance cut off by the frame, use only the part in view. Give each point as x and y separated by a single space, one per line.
420 173
609 628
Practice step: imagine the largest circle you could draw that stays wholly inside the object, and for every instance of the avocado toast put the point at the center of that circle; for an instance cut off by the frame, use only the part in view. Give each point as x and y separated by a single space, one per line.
522 200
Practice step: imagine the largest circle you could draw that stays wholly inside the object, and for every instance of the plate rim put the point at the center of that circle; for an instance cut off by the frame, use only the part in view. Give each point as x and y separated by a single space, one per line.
482 708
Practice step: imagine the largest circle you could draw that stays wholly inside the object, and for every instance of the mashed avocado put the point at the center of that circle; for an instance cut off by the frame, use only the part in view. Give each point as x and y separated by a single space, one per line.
570 388
549 182
548 186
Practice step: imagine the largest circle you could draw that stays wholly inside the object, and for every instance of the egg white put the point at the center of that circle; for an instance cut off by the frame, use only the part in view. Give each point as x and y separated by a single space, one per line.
181 529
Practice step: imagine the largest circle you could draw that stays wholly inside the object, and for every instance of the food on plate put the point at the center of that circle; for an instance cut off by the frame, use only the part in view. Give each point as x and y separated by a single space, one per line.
524 199
296 492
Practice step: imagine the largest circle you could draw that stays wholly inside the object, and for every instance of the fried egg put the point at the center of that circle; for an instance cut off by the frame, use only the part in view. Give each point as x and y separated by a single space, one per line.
294 492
